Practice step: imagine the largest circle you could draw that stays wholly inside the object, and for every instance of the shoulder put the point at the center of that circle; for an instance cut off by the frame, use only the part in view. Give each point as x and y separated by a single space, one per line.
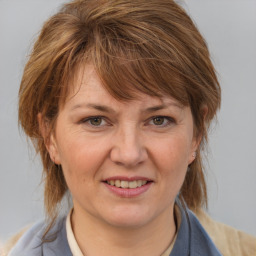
192 239
28 237
30 242
227 239
12 241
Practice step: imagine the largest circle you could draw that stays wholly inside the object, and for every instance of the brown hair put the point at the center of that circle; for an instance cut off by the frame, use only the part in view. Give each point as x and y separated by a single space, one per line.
150 46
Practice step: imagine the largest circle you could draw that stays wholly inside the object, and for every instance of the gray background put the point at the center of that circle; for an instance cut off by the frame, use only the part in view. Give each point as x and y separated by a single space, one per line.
229 27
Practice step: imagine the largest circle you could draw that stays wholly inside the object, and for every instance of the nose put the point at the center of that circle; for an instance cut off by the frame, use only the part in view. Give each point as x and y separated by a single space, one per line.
128 148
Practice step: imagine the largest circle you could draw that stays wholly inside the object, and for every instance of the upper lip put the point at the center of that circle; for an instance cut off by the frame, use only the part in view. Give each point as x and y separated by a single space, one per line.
125 178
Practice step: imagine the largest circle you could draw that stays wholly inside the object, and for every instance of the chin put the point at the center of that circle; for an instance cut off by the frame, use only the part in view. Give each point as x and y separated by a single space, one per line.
128 223
129 218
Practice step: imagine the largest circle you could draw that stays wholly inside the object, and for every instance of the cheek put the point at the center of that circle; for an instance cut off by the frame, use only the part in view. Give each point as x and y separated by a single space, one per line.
81 159
171 160
78 167
173 152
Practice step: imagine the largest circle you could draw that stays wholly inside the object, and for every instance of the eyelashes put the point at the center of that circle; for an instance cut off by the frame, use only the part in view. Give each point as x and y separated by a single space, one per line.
155 121
95 121
162 121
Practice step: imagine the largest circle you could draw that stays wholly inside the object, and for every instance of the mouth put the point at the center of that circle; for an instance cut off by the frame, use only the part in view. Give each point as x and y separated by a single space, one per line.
127 184
128 187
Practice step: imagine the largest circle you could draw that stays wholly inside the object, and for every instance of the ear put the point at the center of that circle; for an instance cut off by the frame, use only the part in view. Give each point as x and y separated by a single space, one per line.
49 138
193 151
197 137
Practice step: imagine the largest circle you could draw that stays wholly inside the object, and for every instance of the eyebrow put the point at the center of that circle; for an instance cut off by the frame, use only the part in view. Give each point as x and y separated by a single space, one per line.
162 106
102 108
108 109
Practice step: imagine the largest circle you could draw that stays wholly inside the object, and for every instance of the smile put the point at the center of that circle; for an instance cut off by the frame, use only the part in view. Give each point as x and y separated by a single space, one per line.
127 184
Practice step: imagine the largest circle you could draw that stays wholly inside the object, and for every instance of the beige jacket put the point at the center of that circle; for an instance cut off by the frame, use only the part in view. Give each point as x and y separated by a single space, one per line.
228 240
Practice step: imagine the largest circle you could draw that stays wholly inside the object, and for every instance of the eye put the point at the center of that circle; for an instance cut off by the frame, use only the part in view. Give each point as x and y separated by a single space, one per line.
161 121
96 121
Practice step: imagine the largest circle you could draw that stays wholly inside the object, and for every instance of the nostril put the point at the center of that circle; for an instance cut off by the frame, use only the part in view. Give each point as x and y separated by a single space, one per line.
126 157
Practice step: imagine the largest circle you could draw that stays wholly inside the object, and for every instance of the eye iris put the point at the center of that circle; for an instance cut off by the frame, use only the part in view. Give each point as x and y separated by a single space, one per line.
96 121
158 120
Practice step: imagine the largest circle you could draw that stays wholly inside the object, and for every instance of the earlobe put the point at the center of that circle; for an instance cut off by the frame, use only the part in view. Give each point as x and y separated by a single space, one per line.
194 147
204 111
53 149
49 138
192 157
197 137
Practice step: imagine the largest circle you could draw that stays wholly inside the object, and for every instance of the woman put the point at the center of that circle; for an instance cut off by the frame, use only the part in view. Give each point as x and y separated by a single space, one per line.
117 97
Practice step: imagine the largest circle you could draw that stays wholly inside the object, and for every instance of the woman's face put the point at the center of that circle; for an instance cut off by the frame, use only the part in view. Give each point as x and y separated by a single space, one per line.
124 162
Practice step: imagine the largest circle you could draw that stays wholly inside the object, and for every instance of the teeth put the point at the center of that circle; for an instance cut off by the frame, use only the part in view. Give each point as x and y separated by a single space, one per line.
132 184
117 183
124 184
139 183
127 184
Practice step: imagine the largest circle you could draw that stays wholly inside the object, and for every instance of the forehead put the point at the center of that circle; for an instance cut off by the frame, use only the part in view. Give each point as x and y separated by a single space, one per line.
87 86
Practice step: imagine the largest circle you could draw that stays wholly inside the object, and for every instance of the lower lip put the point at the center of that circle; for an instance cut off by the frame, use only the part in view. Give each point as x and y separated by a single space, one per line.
129 192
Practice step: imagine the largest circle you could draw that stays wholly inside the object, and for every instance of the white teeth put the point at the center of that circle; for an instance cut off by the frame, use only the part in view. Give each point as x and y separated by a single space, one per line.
139 183
144 182
118 183
127 184
133 184
124 184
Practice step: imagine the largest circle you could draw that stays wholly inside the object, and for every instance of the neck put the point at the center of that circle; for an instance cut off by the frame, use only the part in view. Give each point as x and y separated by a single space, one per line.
95 237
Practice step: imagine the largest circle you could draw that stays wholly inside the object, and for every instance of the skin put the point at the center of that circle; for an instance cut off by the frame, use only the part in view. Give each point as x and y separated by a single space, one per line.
126 139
